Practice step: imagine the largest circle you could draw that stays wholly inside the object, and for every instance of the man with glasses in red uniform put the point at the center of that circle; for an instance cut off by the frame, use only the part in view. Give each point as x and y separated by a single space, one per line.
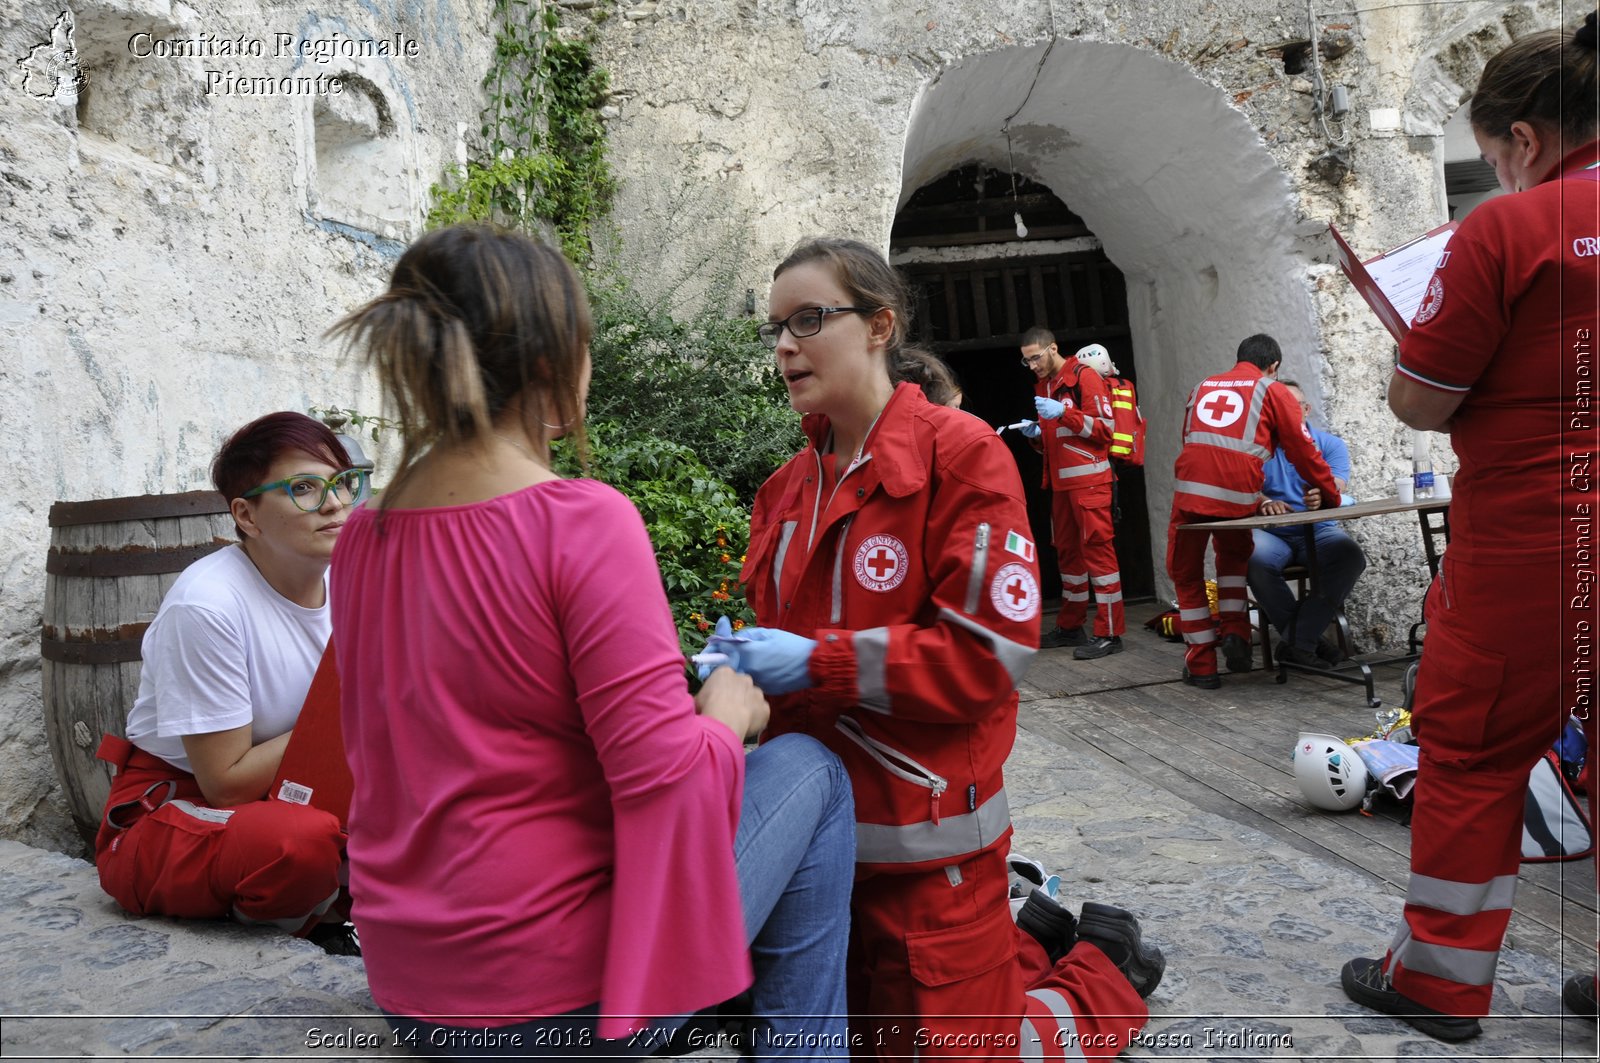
1073 433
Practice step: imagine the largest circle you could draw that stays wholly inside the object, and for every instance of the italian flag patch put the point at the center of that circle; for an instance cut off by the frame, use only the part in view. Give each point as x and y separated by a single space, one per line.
1019 545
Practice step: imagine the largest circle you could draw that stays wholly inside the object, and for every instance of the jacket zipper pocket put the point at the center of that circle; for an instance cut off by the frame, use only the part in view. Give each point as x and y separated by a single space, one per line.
1081 453
896 763
980 565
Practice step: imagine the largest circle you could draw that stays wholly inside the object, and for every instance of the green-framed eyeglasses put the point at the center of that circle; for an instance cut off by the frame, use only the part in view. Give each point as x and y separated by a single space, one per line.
309 492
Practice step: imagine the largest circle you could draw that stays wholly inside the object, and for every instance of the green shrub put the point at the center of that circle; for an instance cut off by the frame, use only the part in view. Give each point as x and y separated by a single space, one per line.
704 382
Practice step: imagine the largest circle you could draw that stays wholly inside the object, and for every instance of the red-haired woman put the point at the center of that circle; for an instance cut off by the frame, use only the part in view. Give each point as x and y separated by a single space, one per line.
227 662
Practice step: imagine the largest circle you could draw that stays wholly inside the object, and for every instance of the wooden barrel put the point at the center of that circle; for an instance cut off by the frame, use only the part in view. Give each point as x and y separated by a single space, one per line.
110 563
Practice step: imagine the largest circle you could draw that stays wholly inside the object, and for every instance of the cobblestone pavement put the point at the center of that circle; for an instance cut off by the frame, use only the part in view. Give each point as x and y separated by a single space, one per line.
1254 931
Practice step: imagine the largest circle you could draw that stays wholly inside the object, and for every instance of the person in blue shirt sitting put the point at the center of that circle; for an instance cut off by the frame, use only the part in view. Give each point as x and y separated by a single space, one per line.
1339 558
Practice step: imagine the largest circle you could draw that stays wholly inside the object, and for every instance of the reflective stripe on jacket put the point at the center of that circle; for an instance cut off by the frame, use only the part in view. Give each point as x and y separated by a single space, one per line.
1075 444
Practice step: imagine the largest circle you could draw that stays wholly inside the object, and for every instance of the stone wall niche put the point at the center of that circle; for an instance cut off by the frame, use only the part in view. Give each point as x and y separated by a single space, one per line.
361 178
139 108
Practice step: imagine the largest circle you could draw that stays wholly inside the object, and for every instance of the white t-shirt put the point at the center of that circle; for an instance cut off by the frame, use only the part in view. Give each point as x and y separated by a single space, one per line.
224 650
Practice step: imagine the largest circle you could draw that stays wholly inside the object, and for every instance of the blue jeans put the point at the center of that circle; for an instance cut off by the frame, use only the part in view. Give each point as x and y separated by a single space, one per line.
795 852
1340 563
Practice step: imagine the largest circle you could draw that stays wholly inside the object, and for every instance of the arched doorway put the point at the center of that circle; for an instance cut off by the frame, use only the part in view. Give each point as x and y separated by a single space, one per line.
1175 184
953 240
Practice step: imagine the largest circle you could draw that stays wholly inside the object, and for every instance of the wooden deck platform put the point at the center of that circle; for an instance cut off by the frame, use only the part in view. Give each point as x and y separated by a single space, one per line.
1229 752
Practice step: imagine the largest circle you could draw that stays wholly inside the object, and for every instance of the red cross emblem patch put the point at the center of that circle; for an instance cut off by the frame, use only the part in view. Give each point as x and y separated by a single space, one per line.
1432 300
1015 593
1220 409
881 563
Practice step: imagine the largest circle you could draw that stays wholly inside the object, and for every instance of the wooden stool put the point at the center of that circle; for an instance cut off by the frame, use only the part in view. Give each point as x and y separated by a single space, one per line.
1301 576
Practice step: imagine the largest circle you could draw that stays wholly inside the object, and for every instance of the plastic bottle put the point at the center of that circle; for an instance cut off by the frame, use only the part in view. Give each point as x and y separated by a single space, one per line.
1422 478
1421 467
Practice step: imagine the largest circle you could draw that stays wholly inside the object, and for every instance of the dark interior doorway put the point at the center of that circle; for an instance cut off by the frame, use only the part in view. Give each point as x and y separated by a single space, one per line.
975 301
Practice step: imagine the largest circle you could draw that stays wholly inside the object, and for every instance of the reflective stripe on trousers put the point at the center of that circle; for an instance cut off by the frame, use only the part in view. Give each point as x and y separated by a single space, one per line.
1186 565
1049 1029
1232 596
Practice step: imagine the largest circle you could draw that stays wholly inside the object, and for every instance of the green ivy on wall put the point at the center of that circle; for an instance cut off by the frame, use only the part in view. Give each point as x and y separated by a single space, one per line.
541 158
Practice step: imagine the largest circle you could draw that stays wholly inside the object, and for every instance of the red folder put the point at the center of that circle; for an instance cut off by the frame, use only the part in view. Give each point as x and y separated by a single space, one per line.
313 770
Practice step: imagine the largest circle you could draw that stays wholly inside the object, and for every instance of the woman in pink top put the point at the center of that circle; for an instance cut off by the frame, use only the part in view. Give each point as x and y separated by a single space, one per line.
552 844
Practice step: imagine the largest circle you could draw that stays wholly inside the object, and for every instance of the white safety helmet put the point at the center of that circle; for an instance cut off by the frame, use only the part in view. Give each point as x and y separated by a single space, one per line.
1097 358
1330 773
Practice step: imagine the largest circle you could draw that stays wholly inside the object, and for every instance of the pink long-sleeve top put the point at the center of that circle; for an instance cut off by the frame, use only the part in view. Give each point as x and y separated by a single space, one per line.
540 819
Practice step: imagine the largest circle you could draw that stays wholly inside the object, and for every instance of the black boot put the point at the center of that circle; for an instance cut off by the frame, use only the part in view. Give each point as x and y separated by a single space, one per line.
1050 924
1116 933
1365 982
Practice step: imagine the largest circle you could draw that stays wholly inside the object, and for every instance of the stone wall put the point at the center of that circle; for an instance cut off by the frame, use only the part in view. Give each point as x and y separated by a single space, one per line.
174 244
1183 133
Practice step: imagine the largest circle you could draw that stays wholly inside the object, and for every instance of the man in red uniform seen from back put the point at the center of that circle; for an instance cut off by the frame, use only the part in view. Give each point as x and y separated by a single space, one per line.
1074 433
1233 423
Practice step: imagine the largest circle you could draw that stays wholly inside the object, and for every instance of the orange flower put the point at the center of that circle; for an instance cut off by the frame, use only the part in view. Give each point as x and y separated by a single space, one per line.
726 559
721 596
703 626
737 624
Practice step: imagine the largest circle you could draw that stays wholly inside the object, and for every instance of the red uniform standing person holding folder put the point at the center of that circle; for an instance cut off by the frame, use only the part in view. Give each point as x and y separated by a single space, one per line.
1500 355
1232 424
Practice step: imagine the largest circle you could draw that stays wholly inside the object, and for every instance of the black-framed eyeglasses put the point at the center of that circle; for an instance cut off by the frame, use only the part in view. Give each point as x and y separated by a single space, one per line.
309 492
807 321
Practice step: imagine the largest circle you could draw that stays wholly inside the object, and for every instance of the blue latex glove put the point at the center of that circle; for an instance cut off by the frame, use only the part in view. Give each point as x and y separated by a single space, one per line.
778 661
723 632
1049 409
1031 429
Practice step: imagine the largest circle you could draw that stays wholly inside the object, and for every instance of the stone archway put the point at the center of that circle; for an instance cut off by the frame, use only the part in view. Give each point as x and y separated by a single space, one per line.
1172 179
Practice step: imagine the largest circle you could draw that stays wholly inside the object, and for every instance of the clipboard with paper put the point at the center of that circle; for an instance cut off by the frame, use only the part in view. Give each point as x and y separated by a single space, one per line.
1396 284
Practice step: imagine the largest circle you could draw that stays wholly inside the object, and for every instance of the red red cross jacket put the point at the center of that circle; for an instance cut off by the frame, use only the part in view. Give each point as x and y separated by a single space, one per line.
1075 444
917 577
1233 423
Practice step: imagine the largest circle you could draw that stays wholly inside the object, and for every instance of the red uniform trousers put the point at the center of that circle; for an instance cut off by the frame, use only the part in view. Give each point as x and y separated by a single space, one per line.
262 862
1482 716
937 969
1080 528
1186 566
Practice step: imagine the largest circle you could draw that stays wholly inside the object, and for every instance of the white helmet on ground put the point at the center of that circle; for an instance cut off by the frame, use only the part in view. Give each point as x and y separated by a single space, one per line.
1330 773
1096 357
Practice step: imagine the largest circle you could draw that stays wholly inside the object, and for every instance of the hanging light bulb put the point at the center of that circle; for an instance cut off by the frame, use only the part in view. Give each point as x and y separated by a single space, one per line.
1022 230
